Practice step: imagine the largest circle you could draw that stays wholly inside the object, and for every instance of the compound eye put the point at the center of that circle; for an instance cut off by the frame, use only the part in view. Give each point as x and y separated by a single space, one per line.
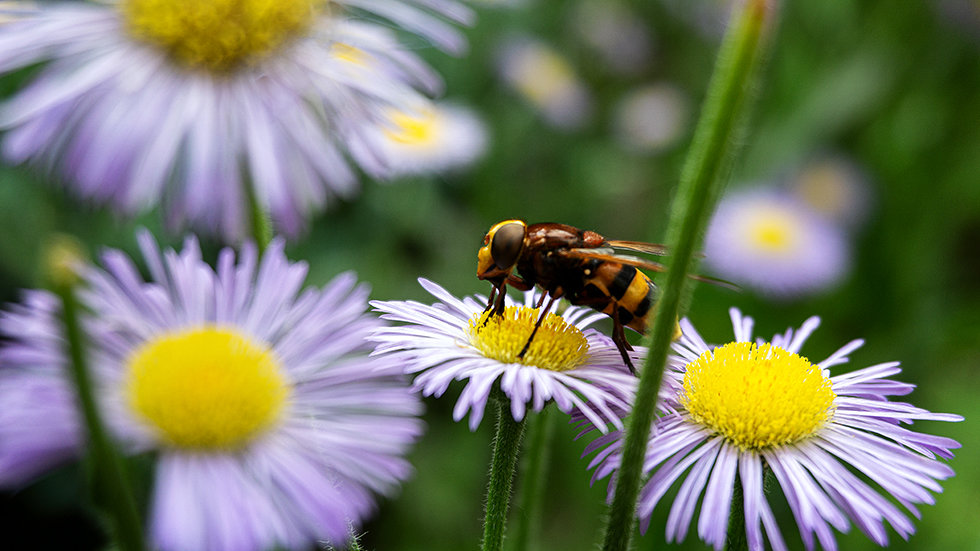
507 244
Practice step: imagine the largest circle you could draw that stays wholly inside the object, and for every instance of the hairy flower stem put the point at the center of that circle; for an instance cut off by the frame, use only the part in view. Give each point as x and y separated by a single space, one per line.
736 520
111 481
533 478
704 173
506 447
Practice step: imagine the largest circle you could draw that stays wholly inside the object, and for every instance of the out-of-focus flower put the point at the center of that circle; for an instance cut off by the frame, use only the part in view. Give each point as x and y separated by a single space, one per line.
207 105
546 80
651 118
579 369
617 34
272 425
710 18
750 406
12 10
426 139
834 187
772 242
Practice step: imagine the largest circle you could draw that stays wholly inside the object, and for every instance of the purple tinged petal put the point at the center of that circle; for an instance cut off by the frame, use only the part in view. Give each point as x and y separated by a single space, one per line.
713 521
682 511
803 333
750 476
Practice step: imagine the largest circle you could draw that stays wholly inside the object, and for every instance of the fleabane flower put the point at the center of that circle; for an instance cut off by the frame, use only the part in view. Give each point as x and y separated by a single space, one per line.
577 367
207 107
429 138
775 244
836 187
751 406
546 80
272 425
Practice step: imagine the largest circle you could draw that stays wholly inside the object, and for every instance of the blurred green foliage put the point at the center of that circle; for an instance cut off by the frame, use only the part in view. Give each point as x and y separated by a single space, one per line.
893 86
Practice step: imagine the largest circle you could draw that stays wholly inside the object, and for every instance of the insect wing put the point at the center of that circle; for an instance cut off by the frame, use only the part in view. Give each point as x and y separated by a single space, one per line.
639 246
609 255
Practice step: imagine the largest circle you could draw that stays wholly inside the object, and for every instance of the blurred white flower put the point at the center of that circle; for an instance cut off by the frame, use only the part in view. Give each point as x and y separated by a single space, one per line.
836 188
431 138
769 241
208 107
546 80
616 33
651 118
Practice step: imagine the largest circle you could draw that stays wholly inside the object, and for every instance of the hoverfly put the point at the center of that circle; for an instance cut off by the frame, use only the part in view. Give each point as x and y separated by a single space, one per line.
579 265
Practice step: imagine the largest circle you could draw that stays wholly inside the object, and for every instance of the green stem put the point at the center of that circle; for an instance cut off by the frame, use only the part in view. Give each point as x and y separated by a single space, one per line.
704 173
506 447
533 480
110 475
736 520
259 219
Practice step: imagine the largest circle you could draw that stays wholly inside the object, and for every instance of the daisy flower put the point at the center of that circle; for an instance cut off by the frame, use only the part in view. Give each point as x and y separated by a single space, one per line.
546 80
651 118
835 187
430 138
773 243
272 425
208 106
576 367
750 406
615 33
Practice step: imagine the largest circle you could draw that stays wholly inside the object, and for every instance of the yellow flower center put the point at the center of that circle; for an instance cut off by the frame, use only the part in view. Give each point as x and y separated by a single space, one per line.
773 232
557 346
412 128
206 388
219 35
757 396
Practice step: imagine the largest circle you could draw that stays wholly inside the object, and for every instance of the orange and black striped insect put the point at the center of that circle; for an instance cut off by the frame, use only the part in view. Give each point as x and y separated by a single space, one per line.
578 265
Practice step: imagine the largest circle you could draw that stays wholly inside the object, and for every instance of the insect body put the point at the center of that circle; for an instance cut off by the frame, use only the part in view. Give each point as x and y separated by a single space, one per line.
579 265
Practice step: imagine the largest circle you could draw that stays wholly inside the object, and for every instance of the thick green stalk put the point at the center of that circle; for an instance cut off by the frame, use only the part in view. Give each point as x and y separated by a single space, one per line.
533 478
110 477
503 463
704 173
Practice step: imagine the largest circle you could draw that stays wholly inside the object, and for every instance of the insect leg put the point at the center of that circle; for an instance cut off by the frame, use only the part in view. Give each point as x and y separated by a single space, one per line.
493 294
619 337
537 324
498 306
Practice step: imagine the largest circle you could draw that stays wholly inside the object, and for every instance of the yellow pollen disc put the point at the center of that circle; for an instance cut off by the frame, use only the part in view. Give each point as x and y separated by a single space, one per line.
206 388
417 128
757 396
219 35
773 232
557 346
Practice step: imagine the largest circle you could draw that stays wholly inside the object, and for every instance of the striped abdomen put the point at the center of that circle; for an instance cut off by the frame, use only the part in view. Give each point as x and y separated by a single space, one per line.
618 290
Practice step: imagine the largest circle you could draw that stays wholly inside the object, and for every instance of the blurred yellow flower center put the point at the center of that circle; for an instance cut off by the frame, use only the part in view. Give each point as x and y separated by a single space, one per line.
772 232
543 76
412 128
219 35
557 346
207 388
757 396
